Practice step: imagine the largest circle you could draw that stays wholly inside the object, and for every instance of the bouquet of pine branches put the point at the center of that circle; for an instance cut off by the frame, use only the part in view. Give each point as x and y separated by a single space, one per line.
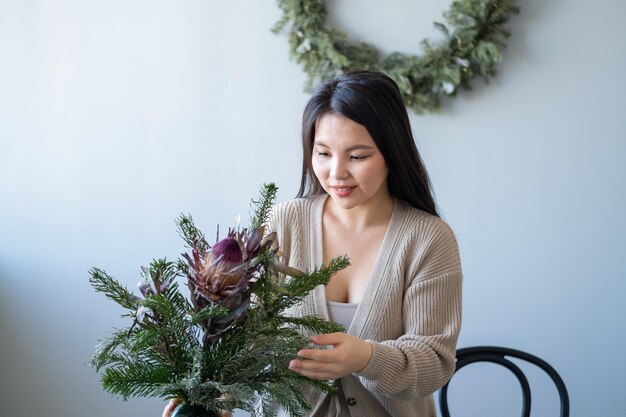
228 343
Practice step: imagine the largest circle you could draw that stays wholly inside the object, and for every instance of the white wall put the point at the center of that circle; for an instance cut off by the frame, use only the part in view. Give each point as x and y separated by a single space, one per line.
116 116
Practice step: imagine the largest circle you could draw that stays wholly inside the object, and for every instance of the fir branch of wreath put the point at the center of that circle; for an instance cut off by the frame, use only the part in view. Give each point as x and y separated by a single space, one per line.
474 34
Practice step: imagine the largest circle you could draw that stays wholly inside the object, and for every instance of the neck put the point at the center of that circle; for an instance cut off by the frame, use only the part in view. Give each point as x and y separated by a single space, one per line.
374 213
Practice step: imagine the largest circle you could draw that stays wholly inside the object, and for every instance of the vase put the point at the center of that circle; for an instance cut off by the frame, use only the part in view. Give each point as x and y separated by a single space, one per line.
186 410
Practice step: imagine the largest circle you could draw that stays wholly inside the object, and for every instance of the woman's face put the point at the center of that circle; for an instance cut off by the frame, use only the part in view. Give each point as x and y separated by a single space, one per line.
348 164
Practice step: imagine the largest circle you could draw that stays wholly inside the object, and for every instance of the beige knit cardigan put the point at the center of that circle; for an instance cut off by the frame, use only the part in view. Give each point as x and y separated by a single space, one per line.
410 312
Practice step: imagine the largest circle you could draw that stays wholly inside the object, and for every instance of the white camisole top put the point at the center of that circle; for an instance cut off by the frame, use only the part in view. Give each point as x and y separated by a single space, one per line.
342 313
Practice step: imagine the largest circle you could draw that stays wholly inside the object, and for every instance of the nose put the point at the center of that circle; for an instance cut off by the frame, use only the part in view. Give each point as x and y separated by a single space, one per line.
339 169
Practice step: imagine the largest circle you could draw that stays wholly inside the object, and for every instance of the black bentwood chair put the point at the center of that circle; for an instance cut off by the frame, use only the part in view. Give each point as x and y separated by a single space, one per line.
497 355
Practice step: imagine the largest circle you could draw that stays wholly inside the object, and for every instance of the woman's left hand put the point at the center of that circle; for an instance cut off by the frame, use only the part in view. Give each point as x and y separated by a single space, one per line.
348 354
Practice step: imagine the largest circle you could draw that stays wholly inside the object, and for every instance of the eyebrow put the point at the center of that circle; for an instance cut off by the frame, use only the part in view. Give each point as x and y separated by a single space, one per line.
350 149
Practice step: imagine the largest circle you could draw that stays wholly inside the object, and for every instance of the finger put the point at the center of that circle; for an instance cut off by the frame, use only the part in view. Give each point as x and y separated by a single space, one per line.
171 406
315 369
307 366
314 372
316 354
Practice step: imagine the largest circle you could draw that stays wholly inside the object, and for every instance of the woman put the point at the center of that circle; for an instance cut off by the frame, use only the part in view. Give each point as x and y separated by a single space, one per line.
365 193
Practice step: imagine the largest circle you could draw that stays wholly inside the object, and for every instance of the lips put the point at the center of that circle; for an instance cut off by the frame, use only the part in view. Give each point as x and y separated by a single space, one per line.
342 191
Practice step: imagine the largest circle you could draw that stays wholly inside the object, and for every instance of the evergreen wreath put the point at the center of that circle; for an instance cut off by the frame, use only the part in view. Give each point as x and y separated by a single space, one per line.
474 35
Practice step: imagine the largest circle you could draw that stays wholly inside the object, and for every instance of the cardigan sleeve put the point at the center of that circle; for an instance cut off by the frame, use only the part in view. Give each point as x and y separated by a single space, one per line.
422 360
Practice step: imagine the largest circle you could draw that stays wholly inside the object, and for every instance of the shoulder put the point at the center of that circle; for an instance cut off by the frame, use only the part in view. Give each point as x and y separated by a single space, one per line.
291 210
291 214
293 223
293 207
424 225
430 240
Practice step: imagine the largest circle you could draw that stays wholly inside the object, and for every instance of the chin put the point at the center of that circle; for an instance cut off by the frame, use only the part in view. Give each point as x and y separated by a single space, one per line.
344 203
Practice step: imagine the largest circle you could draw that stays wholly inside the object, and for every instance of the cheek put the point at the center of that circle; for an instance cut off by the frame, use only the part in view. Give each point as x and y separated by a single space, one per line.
385 171
376 172
318 168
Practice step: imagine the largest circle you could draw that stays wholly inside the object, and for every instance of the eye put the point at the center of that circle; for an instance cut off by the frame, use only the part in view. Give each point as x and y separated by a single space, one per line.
358 157
323 154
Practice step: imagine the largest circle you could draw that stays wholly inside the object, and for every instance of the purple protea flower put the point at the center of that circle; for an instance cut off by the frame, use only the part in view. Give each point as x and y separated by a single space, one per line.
223 269
223 275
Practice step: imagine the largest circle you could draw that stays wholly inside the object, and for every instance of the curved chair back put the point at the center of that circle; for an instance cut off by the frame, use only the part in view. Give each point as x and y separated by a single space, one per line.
498 355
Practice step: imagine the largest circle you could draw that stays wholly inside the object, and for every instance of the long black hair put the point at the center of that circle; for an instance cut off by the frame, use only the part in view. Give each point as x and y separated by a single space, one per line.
373 100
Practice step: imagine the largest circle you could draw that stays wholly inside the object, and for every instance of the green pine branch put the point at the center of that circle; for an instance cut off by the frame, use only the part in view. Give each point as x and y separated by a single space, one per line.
112 289
130 380
262 206
188 231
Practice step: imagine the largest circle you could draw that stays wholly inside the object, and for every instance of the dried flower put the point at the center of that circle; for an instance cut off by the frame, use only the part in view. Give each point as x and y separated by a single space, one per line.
151 284
222 276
